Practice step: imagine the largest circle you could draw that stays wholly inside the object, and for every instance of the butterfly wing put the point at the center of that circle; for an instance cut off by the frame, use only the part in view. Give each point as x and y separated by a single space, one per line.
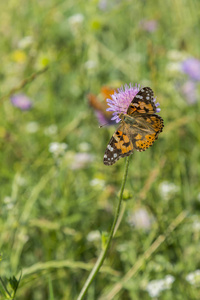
145 132
143 102
147 124
119 146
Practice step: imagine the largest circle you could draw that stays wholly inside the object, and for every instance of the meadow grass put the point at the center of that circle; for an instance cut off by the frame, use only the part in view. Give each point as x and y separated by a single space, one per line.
58 200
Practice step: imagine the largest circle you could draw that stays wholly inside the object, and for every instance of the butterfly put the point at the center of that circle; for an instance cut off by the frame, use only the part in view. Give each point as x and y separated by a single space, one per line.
138 129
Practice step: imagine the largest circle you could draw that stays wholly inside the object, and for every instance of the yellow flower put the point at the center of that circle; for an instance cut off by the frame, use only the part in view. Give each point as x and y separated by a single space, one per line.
19 56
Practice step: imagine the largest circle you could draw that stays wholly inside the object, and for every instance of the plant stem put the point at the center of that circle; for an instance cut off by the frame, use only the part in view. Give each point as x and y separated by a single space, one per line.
103 253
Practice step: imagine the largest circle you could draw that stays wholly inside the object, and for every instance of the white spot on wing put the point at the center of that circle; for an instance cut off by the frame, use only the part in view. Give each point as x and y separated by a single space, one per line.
110 148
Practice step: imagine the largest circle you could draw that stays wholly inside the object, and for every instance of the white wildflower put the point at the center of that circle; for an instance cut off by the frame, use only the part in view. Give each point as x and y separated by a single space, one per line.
90 64
57 149
194 277
93 236
25 42
168 189
51 130
32 127
76 19
81 160
75 23
155 287
176 55
96 182
173 67
140 219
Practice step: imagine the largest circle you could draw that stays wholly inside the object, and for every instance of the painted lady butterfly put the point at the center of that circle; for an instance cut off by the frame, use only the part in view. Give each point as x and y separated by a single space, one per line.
138 129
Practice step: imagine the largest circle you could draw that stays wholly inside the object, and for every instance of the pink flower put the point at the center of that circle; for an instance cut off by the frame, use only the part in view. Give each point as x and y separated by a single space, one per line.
122 99
21 101
149 25
189 90
191 67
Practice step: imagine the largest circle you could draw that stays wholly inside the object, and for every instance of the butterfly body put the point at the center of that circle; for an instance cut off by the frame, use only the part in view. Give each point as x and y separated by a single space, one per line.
138 129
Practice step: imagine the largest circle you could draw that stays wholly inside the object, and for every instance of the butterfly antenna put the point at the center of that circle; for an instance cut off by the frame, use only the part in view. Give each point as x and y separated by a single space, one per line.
100 126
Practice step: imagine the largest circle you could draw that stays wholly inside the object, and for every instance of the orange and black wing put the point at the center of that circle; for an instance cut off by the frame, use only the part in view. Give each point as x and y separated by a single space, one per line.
119 146
146 132
143 102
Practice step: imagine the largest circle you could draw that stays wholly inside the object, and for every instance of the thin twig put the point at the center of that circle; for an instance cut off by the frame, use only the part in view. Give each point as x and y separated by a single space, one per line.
23 83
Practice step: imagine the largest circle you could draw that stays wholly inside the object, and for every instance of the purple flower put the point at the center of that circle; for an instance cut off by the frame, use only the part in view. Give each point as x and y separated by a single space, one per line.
103 4
149 25
102 119
141 219
189 90
122 99
21 101
191 67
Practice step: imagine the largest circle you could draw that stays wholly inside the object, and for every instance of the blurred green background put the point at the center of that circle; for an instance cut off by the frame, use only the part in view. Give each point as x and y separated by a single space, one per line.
57 197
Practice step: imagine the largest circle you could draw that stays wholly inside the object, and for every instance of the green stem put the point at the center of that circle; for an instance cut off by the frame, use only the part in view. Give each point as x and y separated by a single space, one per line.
103 253
4 286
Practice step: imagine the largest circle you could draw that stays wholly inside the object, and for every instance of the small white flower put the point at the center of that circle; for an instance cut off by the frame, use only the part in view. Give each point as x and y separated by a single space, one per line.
96 182
8 203
176 55
76 19
57 149
196 225
90 64
168 280
81 160
32 127
21 181
7 199
10 206
140 219
155 287
75 23
93 236
194 277
25 42
23 237
51 130
173 67
168 189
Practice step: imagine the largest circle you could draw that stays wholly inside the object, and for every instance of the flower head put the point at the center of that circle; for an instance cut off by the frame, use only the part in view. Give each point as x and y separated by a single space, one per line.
194 277
155 287
191 67
122 99
140 219
57 149
21 101
149 25
189 90
81 160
